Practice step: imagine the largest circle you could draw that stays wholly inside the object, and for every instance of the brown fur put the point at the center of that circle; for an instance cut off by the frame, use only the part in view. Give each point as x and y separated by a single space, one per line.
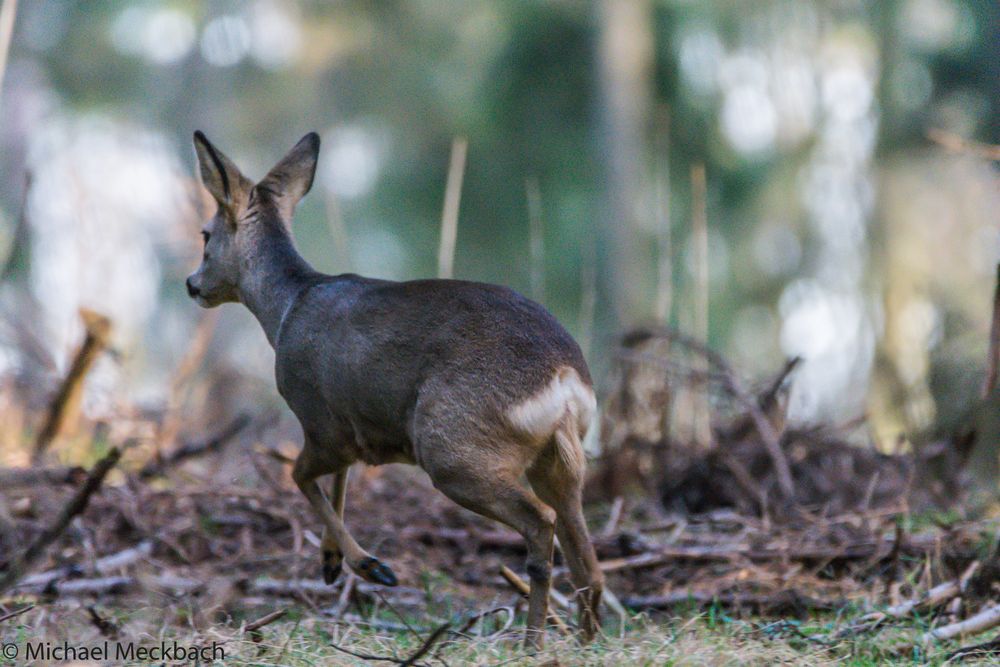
474 383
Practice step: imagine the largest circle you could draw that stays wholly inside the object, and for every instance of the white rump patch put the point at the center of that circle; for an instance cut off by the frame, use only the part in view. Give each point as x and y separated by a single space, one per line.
540 414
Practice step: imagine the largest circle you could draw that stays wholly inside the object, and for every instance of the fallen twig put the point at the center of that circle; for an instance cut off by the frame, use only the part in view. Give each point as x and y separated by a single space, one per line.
173 416
522 587
614 517
782 600
932 598
350 581
984 650
479 616
12 478
292 588
96 586
663 554
266 587
160 464
428 643
252 628
16 613
76 505
405 662
984 620
104 565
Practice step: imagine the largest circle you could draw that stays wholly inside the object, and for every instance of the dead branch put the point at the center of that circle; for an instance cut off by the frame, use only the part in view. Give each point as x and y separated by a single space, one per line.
929 600
700 293
428 643
614 604
452 199
76 506
522 587
189 363
66 404
159 465
13 478
350 581
984 620
173 583
253 626
770 437
771 393
16 613
104 565
55 587
933 598
509 616
782 600
376 623
406 662
555 597
123 558
96 586
993 356
291 588
614 517
984 650
853 550
183 585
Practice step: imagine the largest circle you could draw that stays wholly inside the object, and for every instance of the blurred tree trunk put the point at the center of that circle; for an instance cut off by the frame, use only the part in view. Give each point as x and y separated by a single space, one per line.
624 68
896 407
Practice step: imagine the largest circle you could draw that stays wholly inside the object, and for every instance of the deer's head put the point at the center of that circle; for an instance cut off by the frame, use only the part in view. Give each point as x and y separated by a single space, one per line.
247 215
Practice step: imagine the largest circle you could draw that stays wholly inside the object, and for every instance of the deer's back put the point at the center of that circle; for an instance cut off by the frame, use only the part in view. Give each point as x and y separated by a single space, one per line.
356 354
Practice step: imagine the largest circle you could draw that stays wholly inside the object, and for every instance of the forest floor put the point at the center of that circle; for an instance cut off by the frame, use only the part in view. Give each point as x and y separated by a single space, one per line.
202 564
687 637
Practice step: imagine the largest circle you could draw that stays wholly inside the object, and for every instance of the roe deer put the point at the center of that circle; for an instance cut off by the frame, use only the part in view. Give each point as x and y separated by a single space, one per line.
472 382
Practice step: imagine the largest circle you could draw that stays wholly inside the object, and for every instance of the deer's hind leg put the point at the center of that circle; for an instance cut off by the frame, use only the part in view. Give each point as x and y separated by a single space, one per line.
561 487
332 556
497 493
312 464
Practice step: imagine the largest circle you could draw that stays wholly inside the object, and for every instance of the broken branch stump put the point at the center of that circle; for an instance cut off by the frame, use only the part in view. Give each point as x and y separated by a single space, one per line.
66 404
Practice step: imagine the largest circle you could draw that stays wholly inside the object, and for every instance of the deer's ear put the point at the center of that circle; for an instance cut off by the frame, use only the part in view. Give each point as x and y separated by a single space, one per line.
290 179
221 177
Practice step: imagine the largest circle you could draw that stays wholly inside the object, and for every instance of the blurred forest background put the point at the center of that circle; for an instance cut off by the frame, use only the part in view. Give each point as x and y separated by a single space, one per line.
827 225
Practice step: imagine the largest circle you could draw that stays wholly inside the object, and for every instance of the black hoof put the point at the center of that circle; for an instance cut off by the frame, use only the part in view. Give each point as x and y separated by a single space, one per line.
331 572
377 572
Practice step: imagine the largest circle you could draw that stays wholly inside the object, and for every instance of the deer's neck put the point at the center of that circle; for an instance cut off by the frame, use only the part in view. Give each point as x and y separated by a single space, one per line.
272 276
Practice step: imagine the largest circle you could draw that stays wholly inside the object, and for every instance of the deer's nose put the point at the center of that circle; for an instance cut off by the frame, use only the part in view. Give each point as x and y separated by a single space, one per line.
192 290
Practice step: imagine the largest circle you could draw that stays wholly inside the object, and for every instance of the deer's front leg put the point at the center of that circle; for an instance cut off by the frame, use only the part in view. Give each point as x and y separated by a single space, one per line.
330 550
308 467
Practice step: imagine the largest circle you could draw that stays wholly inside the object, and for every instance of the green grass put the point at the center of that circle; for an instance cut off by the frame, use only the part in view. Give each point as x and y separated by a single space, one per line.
700 640
301 639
